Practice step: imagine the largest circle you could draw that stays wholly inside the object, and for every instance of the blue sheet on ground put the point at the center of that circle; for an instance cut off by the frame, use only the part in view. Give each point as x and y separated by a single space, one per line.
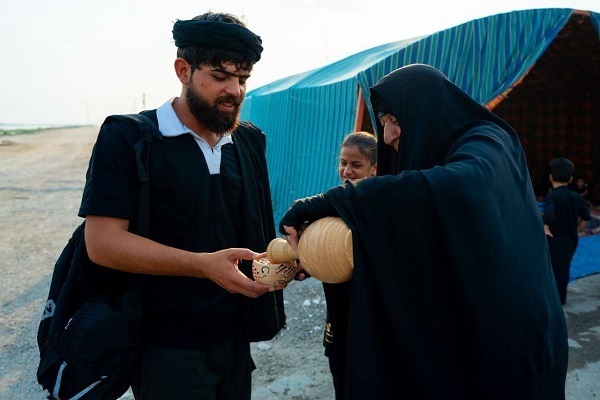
586 260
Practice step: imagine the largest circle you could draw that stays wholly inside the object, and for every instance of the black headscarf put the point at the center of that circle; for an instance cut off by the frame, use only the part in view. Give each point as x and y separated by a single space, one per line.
218 35
432 112
452 294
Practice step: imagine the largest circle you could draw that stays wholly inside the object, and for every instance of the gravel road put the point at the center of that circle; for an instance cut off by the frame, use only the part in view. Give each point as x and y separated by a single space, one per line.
41 180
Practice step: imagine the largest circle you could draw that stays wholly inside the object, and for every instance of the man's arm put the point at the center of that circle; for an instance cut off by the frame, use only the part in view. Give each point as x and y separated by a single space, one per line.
109 243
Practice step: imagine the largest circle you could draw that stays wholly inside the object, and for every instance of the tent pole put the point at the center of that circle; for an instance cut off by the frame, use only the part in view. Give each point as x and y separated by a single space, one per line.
360 111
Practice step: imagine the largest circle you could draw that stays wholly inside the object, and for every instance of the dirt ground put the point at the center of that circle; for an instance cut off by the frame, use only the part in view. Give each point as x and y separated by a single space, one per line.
41 180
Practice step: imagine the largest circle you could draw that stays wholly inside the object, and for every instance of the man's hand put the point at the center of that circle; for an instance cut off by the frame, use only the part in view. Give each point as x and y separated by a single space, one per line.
222 268
547 231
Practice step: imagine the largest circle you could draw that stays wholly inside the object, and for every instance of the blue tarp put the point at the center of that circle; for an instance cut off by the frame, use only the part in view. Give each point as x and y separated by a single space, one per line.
586 260
595 17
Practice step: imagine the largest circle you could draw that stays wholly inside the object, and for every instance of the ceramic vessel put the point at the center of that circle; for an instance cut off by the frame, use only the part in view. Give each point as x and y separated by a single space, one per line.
279 250
324 250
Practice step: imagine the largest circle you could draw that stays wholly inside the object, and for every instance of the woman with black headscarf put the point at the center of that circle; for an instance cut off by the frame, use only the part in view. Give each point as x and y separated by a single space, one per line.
452 293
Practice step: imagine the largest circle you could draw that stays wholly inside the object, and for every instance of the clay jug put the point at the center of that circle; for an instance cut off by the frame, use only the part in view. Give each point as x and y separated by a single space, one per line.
324 250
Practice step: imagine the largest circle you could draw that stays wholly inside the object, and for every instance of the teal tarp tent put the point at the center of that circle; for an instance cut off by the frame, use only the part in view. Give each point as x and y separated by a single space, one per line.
305 116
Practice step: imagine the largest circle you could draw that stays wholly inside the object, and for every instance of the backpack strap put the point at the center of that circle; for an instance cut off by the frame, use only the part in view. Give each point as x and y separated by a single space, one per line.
148 133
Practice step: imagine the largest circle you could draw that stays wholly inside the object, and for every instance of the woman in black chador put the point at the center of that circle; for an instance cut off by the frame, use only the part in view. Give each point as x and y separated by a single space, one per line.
452 294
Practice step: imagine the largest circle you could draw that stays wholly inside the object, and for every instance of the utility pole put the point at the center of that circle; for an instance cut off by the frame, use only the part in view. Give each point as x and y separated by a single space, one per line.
143 101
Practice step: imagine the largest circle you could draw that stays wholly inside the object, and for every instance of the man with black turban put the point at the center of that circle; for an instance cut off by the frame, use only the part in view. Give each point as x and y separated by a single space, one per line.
452 295
210 207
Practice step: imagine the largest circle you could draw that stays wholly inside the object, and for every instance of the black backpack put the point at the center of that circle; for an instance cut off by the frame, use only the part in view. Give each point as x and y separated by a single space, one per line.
88 336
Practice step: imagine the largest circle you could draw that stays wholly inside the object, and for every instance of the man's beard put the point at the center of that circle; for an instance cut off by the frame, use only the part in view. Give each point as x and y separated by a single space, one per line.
218 121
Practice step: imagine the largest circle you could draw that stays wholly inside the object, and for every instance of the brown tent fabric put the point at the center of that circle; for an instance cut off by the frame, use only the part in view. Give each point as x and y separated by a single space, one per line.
556 107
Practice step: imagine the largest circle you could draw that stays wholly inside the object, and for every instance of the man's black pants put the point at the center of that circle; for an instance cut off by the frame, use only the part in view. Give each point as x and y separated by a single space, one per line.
220 372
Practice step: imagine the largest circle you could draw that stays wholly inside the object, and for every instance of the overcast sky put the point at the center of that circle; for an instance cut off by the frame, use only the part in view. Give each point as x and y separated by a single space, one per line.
76 61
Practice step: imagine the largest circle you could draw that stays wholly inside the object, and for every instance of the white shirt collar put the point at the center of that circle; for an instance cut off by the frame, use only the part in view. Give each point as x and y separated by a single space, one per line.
170 125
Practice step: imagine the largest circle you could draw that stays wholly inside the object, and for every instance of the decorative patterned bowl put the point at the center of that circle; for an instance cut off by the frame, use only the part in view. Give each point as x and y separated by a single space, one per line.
274 274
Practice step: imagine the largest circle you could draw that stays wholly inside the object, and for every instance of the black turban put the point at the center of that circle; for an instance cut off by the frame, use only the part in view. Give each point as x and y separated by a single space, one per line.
219 35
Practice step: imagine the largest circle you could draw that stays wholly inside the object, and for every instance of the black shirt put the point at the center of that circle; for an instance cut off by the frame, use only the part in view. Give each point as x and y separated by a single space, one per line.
562 210
190 209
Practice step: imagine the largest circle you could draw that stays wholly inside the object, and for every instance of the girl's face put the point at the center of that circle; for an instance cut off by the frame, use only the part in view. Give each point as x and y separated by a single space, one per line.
353 165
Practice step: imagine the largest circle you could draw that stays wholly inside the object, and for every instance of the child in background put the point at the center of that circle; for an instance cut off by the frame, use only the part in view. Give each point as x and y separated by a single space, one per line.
578 185
358 159
565 213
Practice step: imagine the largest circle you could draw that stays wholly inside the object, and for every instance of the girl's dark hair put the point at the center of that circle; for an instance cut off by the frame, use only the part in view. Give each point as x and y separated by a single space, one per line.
366 144
198 55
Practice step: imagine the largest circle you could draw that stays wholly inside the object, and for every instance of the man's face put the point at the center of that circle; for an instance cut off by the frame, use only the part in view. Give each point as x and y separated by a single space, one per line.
214 96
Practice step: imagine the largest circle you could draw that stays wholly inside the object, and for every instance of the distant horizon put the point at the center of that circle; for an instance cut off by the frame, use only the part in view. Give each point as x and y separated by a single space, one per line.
13 127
